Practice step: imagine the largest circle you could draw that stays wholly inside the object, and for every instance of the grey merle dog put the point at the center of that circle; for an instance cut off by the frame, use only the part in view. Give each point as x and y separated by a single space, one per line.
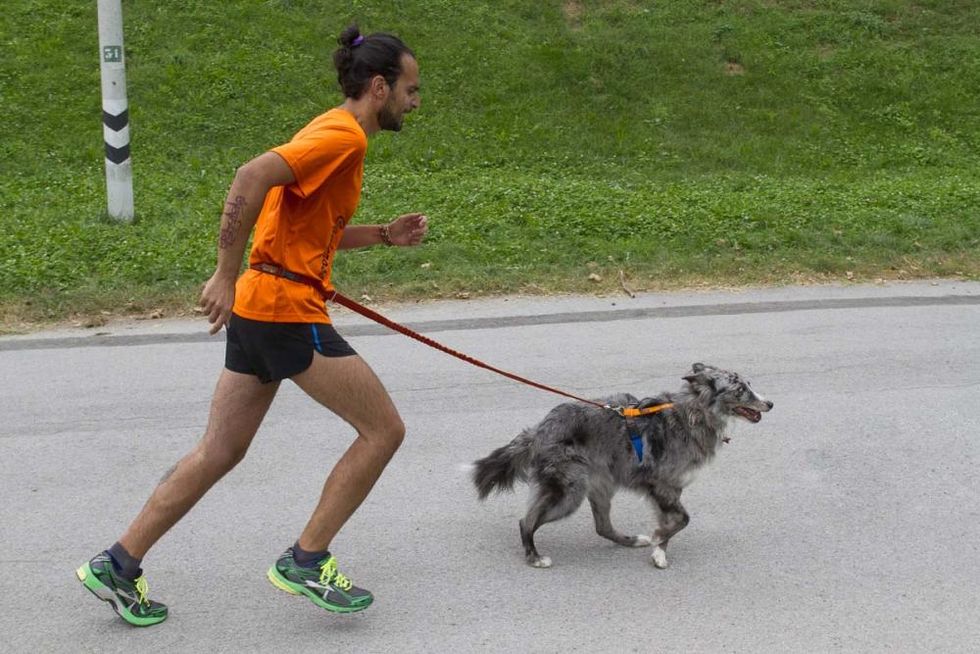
584 451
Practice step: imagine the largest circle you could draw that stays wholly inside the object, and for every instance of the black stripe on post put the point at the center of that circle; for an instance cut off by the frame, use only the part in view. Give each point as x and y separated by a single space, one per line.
115 123
117 155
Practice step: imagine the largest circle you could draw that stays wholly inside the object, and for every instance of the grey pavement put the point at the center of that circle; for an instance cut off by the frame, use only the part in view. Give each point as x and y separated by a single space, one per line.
846 521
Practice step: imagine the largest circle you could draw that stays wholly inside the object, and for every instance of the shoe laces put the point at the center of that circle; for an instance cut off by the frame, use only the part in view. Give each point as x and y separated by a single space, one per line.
330 575
142 588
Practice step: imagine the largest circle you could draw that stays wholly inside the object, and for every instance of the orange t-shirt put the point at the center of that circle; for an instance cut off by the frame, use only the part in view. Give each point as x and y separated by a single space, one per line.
301 224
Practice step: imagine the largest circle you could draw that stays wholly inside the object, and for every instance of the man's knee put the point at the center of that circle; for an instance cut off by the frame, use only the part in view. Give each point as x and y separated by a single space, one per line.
396 432
222 458
391 434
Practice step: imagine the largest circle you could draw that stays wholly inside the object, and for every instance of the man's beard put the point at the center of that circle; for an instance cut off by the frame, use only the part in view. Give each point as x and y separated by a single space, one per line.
388 120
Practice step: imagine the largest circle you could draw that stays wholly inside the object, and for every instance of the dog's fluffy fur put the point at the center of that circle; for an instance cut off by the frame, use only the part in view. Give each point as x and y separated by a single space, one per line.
582 451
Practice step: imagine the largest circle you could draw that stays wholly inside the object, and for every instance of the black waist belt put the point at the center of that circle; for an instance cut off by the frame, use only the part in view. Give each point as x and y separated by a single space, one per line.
279 271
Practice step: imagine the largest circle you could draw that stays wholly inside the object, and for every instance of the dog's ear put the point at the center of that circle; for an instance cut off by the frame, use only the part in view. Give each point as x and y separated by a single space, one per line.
698 377
701 377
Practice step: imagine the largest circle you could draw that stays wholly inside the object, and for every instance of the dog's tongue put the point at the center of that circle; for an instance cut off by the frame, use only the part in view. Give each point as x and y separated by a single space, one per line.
749 414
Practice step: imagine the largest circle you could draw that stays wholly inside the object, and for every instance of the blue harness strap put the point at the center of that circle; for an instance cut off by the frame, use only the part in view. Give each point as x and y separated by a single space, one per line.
637 441
634 412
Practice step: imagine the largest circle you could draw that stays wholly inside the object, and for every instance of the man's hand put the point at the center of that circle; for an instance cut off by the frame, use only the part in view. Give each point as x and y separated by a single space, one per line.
408 229
218 299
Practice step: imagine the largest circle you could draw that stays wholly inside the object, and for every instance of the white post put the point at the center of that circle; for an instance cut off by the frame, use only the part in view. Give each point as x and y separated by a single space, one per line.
115 112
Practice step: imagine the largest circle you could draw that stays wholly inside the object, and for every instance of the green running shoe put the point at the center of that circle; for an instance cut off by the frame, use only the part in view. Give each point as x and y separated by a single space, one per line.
128 598
324 585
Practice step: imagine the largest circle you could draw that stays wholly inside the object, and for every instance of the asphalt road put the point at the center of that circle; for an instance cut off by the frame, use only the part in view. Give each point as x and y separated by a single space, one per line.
846 521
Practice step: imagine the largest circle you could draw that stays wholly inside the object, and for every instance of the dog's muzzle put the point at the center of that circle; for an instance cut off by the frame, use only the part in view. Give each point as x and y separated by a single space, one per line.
750 414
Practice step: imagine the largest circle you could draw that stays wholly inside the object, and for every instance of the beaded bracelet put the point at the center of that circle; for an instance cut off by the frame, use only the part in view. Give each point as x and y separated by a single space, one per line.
386 235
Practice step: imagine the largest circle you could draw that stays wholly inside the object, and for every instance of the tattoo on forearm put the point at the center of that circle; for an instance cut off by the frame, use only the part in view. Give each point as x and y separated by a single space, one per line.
233 213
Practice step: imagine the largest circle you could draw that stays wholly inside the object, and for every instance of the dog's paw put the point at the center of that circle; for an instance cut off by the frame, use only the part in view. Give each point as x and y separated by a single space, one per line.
542 562
642 541
659 558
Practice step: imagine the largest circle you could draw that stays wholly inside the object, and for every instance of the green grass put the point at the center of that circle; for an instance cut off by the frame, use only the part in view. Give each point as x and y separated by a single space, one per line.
737 142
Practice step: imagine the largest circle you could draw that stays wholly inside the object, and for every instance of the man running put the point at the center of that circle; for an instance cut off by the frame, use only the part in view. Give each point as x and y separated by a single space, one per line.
300 198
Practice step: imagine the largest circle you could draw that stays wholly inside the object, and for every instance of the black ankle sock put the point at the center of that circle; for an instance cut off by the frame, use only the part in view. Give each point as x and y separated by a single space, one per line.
306 559
125 564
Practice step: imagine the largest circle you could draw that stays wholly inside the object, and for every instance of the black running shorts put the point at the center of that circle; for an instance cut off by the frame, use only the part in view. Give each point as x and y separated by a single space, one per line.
273 351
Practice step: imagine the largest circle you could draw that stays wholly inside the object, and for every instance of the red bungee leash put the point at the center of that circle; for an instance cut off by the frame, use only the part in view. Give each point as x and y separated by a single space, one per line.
341 299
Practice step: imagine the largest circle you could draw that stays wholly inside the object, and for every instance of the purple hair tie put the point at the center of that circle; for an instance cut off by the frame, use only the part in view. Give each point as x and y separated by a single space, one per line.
356 42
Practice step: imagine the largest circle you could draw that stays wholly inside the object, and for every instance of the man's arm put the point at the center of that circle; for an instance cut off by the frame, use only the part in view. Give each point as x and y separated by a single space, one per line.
408 229
245 197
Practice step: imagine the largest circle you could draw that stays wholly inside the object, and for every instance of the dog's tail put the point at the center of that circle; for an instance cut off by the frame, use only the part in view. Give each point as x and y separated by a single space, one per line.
501 468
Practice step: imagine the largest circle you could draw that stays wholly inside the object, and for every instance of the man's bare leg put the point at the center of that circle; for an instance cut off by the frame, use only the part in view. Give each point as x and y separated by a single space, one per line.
349 388
240 403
